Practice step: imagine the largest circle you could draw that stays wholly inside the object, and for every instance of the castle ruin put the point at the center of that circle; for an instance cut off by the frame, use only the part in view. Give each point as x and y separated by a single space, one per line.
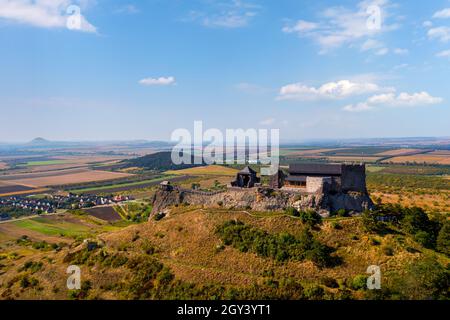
325 188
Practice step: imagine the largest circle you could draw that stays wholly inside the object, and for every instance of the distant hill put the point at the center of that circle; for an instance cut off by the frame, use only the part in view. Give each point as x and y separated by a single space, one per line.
160 161
39 141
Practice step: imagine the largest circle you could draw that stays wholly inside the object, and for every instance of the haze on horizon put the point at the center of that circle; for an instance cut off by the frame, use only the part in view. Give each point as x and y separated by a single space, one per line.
138 70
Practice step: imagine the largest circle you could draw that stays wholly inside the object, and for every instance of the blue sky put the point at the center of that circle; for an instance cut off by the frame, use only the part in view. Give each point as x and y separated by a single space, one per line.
139 70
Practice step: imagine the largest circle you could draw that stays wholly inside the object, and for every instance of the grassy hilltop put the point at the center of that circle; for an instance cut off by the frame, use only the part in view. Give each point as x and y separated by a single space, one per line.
193 253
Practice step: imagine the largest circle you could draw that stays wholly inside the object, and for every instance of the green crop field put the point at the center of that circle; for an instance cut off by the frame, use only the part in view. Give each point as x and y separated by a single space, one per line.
46 163
53 228
136 184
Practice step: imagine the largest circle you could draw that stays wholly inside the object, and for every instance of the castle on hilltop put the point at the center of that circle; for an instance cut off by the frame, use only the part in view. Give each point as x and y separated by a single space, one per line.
326 188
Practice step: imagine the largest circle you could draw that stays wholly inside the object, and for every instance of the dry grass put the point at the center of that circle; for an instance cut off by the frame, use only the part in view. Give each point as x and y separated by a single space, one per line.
420 158
429 201
187 244
208 170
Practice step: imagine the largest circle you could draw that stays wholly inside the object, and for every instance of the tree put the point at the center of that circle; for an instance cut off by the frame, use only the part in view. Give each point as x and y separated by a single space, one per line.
443 239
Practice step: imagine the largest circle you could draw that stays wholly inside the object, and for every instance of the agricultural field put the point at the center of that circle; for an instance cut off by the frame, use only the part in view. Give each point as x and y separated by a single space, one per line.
3 166
106 213
430 158
214 170
46 163
369 155
399 152
68 178
130 186
353 159
426 187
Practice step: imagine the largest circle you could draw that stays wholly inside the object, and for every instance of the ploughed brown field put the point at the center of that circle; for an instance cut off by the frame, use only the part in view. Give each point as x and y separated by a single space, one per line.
104 213
69 178
13 189
313 151
399 152
34 175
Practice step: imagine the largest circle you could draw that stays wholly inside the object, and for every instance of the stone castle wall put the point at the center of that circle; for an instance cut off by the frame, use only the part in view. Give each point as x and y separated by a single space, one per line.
263 199
353 178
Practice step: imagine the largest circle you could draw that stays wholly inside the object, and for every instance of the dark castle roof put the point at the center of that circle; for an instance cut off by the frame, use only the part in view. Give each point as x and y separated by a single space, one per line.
247 170
296 179
315 168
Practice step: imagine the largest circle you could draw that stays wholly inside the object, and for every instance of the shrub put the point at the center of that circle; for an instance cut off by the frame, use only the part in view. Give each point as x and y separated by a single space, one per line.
426 279
388 250
31 266
148 248
281 247
336 225
292 212
425 239
329 282
159 216
314 292
28 282
341 213
371 222
359 282
310 217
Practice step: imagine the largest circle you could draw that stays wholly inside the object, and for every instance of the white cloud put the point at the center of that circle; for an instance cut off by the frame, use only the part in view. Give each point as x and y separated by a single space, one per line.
43 13
250 88
442 14
340 26
161 81
440 33
443 54
360 107
371 44
401 66
267 122
382 52
428 24
330 90
401 51
127 9
393 100
231 14
405 99
301 26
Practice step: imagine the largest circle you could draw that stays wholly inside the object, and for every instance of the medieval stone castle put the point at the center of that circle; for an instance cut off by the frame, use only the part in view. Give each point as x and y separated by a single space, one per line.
325 188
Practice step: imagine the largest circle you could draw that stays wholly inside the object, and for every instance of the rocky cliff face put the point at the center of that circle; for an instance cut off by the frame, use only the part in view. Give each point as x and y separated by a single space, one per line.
262 199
